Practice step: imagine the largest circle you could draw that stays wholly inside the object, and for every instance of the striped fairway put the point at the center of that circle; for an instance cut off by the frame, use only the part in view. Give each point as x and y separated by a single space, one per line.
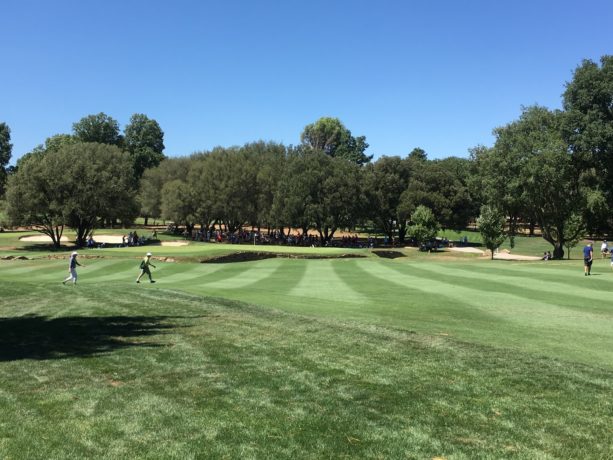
543 308
320 283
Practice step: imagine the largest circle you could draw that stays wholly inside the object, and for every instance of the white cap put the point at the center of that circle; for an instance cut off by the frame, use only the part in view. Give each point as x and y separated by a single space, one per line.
149 254
74 253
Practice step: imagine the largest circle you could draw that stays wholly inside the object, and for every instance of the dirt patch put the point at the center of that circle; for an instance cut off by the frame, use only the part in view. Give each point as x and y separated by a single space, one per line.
389 254
252 256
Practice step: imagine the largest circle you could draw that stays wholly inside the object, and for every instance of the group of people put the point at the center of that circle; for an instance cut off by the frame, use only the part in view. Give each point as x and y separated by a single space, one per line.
73 263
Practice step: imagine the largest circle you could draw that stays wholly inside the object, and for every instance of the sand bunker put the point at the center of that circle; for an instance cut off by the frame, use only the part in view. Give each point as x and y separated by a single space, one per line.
174 243
467 249
506 256
108 239
40 239
502 255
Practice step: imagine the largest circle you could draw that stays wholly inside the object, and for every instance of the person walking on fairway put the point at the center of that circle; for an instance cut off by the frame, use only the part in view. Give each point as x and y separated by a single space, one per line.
144 268
588 256
72 269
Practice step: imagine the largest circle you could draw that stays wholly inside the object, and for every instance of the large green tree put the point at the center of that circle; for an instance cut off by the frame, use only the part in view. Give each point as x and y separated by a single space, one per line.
384 182
154 179
588 127
99 128
332 137
5 154
144 139
442 186
530 173
177 204
77 186
318 191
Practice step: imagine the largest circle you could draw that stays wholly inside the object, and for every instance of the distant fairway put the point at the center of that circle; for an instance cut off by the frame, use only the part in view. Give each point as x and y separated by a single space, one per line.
413 357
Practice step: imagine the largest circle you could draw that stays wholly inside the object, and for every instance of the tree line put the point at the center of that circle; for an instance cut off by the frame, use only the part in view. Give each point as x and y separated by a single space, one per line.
550 170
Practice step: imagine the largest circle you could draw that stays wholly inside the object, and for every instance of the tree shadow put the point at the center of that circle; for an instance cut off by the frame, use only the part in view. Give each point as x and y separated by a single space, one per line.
42 337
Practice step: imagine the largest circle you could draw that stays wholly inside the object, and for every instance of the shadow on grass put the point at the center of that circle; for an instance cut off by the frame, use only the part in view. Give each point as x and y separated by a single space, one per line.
41 337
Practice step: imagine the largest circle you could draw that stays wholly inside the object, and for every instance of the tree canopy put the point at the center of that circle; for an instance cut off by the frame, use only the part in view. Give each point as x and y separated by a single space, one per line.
99 128
5 153
144 139
75 186
332 137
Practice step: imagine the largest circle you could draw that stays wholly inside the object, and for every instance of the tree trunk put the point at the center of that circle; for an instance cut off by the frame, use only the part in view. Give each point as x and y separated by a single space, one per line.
558 250
146 220
402 232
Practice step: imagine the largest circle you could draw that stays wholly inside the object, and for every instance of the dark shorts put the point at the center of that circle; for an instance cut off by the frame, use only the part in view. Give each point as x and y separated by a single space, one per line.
587 261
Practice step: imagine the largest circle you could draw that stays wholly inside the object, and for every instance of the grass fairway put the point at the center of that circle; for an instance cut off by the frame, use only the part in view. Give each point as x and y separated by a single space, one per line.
360 358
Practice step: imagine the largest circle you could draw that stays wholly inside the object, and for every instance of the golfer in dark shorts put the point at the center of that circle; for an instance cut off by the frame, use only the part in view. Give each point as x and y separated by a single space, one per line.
588 255
144 268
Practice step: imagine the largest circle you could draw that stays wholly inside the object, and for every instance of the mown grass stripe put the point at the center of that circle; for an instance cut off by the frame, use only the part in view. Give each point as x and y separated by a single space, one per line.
550 272
529 288
320 281
248 275
188 273
383 297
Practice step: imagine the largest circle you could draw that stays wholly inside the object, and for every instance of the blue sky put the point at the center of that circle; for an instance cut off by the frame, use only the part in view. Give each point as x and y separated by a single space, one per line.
439 75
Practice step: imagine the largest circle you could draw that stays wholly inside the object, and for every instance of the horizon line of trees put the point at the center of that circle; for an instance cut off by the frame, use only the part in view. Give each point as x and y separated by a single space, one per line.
551 169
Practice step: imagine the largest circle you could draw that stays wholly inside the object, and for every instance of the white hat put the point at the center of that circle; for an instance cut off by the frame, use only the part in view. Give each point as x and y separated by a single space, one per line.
149 254
74 253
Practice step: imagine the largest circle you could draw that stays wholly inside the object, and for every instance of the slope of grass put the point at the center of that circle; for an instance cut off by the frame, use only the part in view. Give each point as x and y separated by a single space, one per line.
111 370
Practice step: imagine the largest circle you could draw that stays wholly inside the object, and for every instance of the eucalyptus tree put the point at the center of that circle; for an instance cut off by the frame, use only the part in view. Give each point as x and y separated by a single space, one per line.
177 204
297 188
318 191
269 162
152 183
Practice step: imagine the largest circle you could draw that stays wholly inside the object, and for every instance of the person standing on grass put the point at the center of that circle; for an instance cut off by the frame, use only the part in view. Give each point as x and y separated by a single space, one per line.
588 256
72 269
144 268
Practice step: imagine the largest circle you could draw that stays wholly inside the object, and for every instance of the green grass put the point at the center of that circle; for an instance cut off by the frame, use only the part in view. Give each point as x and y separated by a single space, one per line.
415 357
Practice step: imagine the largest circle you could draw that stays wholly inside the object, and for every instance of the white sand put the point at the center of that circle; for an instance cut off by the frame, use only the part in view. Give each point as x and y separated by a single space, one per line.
40 238
508 256
467 249
502 255
175 243
112 239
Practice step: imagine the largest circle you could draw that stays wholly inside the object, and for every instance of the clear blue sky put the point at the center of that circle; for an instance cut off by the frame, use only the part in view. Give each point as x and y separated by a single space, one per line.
435 74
